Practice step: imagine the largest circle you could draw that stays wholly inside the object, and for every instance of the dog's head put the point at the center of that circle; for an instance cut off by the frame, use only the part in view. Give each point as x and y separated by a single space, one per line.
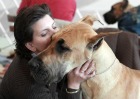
116 12
71 46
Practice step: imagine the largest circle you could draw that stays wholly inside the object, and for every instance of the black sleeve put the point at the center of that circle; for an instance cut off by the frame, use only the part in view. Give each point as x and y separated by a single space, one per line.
35 91
71 96
26 91
62 94
39 92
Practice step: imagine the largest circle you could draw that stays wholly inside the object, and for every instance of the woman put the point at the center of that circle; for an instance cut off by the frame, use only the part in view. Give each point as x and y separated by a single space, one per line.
33 30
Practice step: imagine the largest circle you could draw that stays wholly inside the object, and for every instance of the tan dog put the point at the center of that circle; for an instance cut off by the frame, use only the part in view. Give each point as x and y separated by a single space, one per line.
74 45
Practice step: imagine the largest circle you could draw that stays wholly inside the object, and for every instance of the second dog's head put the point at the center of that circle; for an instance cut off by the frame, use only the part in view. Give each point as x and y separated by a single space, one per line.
116 12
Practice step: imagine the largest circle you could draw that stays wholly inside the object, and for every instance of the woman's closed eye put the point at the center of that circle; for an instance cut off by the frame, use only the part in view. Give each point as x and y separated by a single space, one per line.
44 33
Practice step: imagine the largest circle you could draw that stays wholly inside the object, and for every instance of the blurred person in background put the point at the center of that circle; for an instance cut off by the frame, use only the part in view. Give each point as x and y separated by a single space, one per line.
60 9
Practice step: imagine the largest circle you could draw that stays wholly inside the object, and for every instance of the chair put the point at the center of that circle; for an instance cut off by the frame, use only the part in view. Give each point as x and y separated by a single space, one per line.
11 19
125 45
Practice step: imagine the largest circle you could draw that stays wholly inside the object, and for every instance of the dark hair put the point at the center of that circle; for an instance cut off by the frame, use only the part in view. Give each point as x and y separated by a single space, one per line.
23 31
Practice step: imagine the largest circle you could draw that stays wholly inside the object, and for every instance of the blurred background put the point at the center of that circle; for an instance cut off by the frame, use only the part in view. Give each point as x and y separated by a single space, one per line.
84 7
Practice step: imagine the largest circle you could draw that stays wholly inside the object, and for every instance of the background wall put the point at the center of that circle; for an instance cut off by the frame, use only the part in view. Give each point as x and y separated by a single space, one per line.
84 7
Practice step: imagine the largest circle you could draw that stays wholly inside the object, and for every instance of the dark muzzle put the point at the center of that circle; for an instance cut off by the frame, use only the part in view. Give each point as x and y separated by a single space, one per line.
110 18
43 73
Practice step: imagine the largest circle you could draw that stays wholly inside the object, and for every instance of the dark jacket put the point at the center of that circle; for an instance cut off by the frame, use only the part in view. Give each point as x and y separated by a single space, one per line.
130 21
19 84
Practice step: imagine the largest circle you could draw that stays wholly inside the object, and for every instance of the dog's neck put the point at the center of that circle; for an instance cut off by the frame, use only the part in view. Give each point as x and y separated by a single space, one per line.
108 68
128 8
104 58
108 72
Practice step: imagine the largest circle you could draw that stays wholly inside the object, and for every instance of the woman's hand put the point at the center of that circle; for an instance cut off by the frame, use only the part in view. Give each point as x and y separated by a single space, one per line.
81 73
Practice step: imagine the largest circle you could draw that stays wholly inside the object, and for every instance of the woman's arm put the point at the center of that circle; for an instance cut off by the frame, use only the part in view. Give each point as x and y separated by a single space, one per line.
71 87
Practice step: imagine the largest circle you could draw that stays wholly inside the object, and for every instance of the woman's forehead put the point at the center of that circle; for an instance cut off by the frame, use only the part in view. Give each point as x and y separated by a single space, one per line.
43 23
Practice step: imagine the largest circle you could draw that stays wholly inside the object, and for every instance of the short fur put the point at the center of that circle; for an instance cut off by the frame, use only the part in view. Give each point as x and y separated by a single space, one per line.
76 43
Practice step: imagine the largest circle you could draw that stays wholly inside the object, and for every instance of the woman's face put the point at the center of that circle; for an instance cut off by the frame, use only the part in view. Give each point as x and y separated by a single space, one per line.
43 29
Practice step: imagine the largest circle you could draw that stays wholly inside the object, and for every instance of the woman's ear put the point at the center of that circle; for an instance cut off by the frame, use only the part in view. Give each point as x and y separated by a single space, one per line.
30 46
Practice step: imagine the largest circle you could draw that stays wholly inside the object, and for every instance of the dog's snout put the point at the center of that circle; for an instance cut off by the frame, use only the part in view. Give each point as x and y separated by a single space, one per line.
34 63
44 73
38 70
109 18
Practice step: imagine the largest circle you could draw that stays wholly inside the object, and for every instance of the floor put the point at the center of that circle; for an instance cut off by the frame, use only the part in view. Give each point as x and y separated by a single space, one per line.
84 7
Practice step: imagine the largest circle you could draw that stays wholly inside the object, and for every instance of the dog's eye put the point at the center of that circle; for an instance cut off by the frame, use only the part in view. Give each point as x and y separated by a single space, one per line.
61 47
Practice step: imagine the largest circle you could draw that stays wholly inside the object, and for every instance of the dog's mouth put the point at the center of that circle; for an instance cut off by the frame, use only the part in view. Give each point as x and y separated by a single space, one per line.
45 74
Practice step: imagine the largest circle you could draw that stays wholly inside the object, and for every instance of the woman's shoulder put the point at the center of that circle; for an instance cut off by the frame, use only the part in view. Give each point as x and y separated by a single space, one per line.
18 71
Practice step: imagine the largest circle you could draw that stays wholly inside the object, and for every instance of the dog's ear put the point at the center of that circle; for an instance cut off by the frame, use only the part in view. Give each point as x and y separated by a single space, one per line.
61 47
124 4
96 41
88 19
